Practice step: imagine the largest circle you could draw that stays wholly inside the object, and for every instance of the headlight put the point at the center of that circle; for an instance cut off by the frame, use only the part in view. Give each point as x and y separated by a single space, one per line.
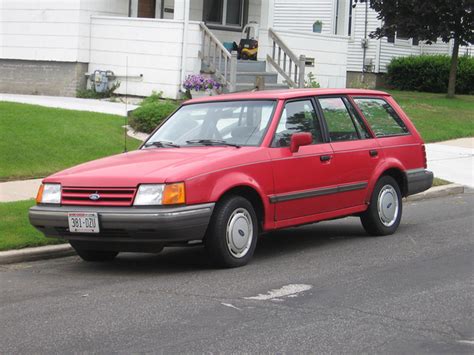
49 193
160 194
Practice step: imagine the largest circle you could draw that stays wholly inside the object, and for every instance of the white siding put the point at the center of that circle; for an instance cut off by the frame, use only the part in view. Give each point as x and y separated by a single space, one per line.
40 30
51 29
328 51
93 7
355 52
300 15
153 48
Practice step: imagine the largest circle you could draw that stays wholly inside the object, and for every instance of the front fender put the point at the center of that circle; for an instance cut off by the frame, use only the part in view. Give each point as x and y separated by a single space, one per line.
212 187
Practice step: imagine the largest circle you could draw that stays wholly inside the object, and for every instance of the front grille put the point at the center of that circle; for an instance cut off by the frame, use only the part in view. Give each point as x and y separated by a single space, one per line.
107 196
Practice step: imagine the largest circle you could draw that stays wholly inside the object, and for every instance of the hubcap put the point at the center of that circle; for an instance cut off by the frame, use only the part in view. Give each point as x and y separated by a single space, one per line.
239 232
387 205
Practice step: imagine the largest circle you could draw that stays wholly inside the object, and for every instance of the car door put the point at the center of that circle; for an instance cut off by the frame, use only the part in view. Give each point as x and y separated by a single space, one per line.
356 153
303 179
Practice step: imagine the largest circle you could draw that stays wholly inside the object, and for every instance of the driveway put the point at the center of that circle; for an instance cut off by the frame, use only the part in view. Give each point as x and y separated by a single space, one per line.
320 288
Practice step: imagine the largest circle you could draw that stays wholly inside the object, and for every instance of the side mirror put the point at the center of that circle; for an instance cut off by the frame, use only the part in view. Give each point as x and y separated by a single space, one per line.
300 139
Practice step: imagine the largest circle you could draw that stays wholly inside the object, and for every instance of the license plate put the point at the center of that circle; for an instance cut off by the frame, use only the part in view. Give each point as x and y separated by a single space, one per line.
83 222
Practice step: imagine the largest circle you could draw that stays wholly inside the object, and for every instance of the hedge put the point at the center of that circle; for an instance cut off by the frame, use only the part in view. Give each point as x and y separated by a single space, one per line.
151 112
430 73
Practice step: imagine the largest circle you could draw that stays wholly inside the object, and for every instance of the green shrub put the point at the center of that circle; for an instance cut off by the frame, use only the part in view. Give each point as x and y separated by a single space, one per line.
430 73
151 112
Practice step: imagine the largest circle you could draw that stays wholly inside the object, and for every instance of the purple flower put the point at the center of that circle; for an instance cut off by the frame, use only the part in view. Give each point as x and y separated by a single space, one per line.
200 83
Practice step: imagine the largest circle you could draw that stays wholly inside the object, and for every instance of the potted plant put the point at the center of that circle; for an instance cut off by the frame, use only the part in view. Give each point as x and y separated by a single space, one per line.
198 85
318 26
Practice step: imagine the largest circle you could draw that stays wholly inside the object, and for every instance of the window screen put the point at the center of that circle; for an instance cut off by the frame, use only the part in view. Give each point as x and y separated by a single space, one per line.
381 117
297 116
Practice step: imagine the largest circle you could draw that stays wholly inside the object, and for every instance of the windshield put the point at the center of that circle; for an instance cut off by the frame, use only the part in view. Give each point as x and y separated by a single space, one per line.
239 123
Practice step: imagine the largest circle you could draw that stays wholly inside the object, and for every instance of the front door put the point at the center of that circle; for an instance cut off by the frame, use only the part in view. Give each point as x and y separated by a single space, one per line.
356 153
303 180
146 8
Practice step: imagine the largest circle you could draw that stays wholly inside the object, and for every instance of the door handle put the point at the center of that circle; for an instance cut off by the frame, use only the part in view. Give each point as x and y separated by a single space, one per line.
325 157
373 153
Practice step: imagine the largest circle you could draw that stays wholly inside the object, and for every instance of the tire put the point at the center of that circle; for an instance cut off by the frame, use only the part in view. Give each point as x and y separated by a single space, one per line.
384 213
231 237
87 254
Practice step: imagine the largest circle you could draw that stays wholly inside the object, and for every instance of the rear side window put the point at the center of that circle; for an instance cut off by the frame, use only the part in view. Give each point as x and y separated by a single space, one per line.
297 116
339 121
381 117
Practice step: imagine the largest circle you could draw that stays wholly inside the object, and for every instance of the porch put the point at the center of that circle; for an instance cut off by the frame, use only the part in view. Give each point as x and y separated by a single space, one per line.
160 42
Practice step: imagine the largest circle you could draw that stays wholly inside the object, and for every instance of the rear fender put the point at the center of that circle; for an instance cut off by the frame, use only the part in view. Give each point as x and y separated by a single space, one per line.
388 163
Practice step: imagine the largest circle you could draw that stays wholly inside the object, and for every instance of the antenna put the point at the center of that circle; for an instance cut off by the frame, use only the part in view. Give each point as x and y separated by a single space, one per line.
125 127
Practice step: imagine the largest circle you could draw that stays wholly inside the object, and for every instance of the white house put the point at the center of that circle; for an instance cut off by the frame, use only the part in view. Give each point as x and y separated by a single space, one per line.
50 46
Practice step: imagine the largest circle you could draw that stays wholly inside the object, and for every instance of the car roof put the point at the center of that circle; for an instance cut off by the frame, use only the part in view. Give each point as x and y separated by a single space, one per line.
284 94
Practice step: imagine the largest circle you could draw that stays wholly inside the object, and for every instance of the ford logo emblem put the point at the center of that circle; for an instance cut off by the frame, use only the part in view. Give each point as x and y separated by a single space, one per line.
94 197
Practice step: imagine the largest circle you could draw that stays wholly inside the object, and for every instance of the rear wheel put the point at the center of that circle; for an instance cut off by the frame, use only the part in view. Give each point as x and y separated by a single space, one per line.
88 254
232 234
385 210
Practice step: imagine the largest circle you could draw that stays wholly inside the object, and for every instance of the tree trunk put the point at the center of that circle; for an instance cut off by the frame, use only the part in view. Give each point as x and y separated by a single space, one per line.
454 68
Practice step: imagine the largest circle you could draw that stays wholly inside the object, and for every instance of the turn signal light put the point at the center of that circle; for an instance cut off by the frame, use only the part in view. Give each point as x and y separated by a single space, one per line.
174 194
39 195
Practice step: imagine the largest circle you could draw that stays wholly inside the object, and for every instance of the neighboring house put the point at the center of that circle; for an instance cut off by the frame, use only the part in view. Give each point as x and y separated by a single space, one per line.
50 47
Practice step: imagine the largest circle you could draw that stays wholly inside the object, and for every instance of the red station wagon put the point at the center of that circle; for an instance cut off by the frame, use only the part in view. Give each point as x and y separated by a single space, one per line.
220 170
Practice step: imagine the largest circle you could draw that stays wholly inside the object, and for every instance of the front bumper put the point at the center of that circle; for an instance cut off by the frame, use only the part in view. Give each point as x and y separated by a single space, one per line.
418 180
128 225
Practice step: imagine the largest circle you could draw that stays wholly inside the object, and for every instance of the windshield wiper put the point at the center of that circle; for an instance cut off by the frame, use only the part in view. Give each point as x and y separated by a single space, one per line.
161 144
212 142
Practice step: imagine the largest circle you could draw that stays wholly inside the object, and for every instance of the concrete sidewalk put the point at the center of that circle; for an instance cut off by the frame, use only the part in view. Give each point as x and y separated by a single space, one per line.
19 190
71 103
453 160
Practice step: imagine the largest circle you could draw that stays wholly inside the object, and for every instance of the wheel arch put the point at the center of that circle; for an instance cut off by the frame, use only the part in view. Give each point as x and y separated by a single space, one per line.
391 168
252 195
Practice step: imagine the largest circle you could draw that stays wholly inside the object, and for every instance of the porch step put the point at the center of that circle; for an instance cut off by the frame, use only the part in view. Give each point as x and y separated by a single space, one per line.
251 86
250 77
242 66
251 66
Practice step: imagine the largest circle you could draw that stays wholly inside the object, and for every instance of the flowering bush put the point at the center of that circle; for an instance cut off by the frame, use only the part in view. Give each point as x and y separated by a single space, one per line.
200 83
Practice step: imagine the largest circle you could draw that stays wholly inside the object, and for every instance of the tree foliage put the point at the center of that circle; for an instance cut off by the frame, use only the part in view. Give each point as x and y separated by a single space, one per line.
428 20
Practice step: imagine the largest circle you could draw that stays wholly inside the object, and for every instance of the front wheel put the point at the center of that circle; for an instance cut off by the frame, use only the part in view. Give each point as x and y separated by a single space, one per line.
232 234
88 254
385 210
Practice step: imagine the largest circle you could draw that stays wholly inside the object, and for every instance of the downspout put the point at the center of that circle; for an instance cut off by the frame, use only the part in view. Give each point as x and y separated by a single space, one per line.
365 38
185 42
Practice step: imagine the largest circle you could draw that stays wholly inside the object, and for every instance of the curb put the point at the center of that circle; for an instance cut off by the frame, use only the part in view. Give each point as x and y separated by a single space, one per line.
437 191
62 250
37 253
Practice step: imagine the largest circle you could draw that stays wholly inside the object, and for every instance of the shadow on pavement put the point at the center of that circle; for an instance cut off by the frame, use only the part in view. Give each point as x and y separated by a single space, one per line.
272 245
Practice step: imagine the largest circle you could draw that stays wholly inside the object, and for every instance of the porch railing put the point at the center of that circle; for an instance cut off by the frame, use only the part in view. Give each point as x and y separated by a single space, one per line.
285 62
218 59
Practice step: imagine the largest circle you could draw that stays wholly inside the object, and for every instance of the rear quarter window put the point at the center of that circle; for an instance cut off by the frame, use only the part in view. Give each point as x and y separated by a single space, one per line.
381 117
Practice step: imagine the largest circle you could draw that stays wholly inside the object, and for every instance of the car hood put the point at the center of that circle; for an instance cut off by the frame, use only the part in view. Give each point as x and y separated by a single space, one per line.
156 165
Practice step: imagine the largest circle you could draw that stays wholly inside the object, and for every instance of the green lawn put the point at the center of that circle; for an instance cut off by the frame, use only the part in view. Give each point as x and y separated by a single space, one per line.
436 117
36 141
16 231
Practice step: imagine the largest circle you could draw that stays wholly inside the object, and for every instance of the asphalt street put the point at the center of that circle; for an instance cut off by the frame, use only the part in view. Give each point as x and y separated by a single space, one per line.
326 287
